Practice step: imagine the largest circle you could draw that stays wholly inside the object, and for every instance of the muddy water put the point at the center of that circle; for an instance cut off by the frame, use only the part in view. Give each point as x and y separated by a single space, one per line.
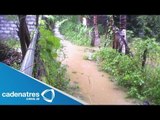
95 87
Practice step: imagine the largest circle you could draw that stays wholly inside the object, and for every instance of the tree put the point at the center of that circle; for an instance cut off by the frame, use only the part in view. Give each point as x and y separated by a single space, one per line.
116 36
37 19
123 33
119 36
23 34
95 34
102 21
80 19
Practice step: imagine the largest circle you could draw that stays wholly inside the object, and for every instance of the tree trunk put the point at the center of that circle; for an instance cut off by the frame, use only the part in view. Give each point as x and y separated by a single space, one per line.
84 21
89 21
37 18
144 57
116 37
26 33
96 38
92 37
80 19
123 32
102 19
23 34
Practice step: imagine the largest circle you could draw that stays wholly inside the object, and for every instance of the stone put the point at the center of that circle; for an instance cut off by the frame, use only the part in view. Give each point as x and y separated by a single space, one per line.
3 21
3 28
13 25
1 25
30 23
1 17
6 25
32 27
7 31
31 17
1 31
3 36
11 22
10 28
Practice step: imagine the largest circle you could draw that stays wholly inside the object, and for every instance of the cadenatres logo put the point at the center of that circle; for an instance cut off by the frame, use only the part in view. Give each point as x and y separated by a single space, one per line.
48 95
52 95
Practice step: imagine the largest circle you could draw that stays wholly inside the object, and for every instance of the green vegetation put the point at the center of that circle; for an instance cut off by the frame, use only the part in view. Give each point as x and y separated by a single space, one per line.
142 83
12 43
77 34
139 73
9 54
55 73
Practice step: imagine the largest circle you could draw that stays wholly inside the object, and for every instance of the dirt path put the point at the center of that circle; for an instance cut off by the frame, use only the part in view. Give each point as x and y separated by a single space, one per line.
95 86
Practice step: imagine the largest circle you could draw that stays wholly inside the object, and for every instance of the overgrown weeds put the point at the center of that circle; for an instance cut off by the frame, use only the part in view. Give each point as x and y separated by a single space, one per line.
142 82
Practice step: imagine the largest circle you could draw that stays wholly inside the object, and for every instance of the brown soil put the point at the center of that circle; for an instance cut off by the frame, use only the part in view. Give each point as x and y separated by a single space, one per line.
95 87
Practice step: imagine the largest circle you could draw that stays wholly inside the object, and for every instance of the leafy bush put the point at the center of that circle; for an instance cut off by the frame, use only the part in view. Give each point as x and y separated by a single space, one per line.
105 41
130 35
12 43
142 83
54 71
101 29
77 34
9 55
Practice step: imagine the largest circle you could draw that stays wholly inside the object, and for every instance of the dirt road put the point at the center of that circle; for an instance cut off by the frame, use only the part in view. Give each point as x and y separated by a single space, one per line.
95 87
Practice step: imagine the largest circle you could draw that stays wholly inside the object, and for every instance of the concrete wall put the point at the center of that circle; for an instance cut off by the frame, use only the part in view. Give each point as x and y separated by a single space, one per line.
8 27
